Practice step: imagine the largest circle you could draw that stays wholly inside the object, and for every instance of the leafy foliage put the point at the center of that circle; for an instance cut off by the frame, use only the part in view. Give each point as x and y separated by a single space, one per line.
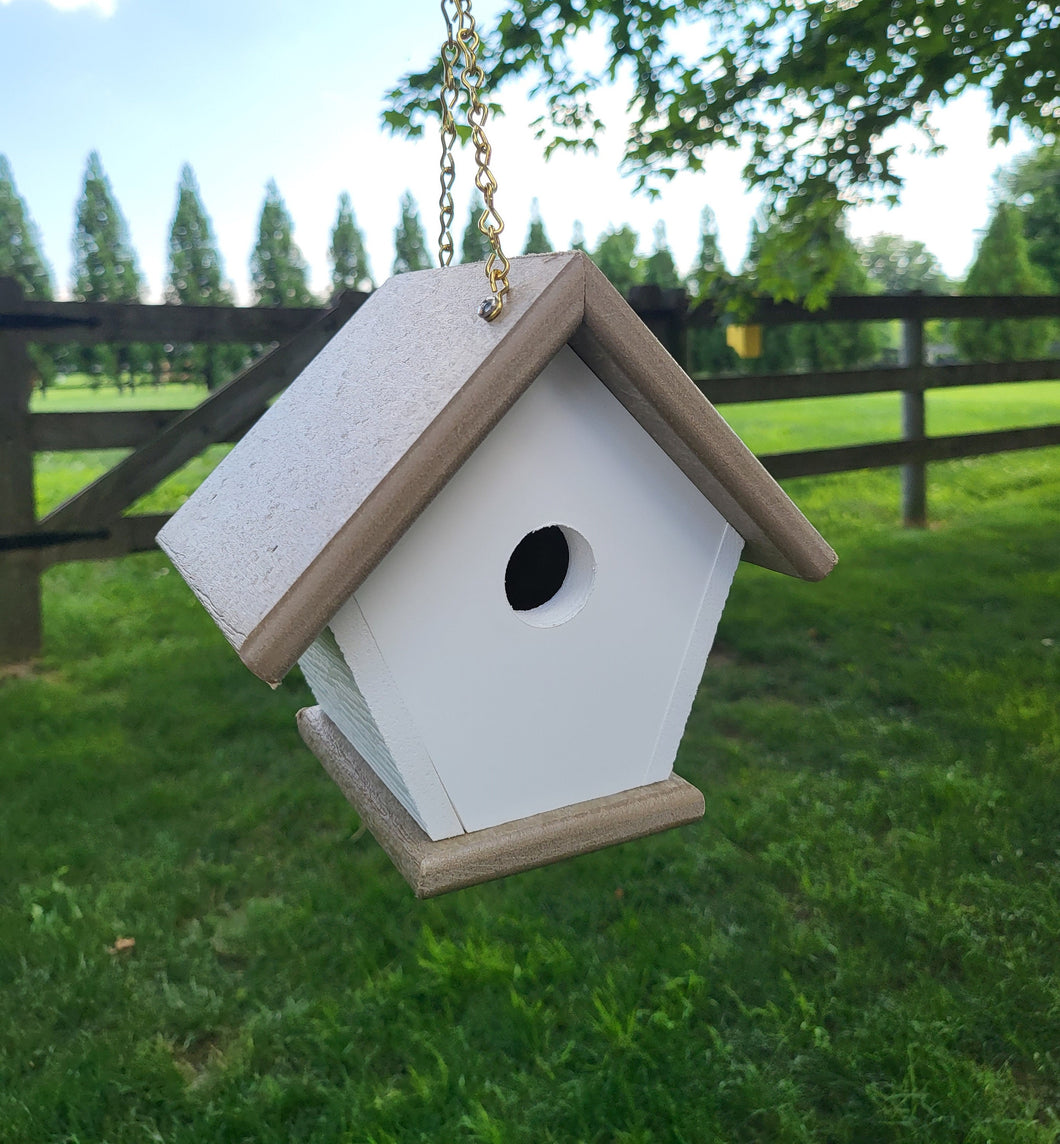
349 258
1002 266
278 271
537 241
196 278
410 241
811 89
1033 185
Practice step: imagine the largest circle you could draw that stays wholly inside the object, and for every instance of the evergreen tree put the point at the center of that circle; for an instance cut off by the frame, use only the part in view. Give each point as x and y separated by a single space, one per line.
778 354
708 351
20 242
577 238
475 246
616 255
537 241
195 277
1034 185
349 259
410 242
21 259
105 268
1003 266
659 268
278 272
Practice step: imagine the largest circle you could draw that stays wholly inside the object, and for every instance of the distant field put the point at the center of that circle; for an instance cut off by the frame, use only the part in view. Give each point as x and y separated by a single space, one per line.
857 944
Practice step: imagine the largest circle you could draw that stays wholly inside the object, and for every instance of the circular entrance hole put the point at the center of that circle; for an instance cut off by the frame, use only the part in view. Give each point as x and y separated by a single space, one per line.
549 575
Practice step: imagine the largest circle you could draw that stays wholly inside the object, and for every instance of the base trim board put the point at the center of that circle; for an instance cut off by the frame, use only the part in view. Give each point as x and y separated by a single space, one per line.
433 868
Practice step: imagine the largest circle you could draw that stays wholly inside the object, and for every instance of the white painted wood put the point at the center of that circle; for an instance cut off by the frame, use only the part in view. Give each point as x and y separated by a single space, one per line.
407 768
519 719
700 641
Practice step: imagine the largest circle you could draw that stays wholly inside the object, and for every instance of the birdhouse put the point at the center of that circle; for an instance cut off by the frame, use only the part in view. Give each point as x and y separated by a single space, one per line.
499 552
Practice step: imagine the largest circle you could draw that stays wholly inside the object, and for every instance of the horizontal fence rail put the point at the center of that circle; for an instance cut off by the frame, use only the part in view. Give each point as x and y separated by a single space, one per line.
91 525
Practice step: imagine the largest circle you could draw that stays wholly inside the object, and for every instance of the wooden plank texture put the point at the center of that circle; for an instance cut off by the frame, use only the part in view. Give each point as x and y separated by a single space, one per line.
840 383
884 454
92 322
121 537
20 610
433 868
223 412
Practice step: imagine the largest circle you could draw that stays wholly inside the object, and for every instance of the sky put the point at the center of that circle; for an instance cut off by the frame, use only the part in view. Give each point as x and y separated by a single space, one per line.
248 90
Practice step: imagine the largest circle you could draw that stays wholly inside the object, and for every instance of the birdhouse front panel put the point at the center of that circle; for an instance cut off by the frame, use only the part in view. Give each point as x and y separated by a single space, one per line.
546 619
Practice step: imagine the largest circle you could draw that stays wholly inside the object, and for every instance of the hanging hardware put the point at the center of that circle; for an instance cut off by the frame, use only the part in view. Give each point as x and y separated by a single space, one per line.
462 46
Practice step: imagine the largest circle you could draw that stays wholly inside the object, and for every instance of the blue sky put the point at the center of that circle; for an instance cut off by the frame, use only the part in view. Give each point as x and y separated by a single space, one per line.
248 90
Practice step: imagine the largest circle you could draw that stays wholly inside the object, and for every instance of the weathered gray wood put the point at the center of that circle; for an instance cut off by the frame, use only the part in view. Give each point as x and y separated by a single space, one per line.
20 611
884 454
225 411
840 383
92 322
123 536
914 424
889 307
433 868
120 429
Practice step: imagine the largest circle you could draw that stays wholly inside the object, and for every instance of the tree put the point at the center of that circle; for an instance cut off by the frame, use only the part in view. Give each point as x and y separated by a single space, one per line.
475 245
278 272
105 268
1033 184
195 277
21 259
349 259
537 241
896 265
20 241
410 242
659 268
708 351
616 255
1002 266
811 89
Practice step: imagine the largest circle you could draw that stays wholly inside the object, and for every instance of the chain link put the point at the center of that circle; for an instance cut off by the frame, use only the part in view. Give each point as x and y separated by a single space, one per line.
462 45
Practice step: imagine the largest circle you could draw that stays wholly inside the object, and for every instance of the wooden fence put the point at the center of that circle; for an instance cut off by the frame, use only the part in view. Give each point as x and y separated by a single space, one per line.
92 524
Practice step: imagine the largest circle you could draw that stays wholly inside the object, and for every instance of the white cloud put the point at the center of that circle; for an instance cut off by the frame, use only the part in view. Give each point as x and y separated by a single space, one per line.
100 7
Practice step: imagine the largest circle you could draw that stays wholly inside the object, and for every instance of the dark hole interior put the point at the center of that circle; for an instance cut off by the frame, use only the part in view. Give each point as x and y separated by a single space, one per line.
537 568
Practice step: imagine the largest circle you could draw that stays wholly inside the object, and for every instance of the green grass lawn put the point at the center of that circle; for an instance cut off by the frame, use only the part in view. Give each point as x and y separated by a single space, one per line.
857 944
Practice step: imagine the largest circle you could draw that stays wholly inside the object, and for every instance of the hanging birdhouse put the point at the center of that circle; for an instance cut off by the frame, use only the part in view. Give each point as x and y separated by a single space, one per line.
499 551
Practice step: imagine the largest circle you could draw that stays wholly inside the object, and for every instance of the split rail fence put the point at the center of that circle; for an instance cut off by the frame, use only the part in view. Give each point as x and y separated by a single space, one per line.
93 525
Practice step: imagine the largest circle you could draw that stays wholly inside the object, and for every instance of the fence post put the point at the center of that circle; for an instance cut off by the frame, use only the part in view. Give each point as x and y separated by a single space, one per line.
914 473
20 600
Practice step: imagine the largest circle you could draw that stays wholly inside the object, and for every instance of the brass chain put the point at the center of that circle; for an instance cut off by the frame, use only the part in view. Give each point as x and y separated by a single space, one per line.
462 43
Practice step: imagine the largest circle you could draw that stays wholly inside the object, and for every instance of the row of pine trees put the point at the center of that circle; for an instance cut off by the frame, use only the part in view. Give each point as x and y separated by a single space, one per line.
105 269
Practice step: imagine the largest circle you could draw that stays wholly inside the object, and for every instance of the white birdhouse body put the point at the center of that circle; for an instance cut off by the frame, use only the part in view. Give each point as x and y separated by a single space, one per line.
500 552
491 711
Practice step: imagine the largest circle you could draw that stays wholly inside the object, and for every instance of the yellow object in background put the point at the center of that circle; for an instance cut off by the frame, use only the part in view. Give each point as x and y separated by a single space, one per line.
745 340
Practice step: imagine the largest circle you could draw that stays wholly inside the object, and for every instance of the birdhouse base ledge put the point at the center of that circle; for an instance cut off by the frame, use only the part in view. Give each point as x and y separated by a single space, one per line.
433 868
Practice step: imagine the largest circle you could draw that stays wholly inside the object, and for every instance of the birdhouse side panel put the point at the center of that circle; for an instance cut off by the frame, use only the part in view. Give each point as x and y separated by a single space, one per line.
406 768
700 641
